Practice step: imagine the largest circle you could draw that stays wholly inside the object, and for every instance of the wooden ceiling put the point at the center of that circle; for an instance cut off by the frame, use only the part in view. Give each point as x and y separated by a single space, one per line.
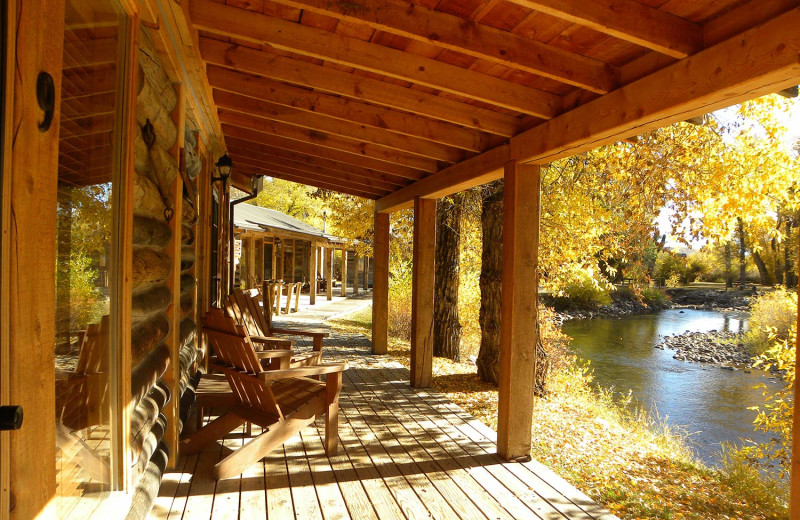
388 99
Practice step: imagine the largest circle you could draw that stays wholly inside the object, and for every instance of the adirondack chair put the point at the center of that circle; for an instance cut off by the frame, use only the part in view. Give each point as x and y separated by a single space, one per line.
281 401
81 394
247 311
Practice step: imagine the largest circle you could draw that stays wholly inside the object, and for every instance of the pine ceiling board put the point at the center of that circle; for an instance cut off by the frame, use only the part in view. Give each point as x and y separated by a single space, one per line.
356 30
540 27
505 16
428 50
462 8
249 5
281 11
318 21
698 11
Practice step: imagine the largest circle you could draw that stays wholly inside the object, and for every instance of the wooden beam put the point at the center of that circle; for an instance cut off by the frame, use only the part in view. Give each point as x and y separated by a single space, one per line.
343 286
326 140
519 311
472 172
328 79
331 154
266 161
310 160
317 183
380 285
422 292
307 100
794 479
451 32
348 129
312 277
760 61
628 20
355 273
330 253
279 170
336 48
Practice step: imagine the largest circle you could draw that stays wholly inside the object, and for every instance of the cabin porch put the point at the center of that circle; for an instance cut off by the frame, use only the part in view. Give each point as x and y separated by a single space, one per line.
403 453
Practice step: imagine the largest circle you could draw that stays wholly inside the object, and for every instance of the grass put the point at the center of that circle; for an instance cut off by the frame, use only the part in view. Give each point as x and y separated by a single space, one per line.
630 462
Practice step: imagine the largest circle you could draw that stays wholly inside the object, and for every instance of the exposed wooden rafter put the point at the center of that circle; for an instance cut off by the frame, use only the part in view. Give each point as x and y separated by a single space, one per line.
404 123
344 128
480 41
328 79
336 48
628 20
759 61
250 171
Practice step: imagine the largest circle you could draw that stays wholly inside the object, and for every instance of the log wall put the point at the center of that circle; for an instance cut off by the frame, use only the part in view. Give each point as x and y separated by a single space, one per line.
157 167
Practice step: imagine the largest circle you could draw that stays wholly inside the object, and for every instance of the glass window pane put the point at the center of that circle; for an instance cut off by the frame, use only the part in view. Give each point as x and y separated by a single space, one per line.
88 147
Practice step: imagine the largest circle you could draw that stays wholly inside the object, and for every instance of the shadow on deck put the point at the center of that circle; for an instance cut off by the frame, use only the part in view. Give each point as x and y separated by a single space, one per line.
403 453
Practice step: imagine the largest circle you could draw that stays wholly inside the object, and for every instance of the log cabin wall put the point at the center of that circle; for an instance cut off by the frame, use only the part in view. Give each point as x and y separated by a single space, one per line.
157 168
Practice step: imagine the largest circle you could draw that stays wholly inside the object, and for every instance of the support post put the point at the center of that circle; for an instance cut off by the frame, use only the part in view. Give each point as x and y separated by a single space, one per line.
518 331
343 287
380 286
329 254
366 273
794 479
355 274
422 292
312 268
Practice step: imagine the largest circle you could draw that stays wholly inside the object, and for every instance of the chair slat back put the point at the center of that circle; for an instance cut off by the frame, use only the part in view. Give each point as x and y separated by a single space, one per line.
94 349
259 315
234 349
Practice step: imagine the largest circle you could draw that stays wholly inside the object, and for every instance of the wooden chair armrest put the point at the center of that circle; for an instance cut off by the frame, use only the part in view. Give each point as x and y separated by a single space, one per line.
301 332
277 353
272 341
315 370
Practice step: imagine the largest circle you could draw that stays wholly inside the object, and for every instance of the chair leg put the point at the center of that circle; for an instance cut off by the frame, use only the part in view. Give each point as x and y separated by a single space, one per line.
255 450
333 387
213 431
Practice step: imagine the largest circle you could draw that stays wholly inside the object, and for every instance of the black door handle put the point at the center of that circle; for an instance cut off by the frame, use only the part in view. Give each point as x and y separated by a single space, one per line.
10 418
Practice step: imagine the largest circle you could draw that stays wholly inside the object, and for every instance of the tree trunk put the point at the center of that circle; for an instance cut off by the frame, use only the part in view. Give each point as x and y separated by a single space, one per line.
728 268
491 268
446 327
788 268
742 264
763 272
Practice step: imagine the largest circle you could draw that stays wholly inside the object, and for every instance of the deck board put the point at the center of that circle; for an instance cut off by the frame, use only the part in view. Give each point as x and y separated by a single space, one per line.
403 454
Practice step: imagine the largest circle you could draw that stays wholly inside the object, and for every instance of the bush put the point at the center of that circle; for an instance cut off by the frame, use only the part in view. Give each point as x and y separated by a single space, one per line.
654 298
677 270
775 313
400 303
583 290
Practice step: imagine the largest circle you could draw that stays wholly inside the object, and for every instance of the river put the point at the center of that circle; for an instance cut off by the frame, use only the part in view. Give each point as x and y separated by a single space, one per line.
710 403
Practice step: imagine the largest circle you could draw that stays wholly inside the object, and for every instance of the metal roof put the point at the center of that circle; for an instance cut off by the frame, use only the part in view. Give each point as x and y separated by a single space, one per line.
255 218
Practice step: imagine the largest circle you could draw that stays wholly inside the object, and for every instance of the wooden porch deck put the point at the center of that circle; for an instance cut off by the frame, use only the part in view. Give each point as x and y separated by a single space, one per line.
404 454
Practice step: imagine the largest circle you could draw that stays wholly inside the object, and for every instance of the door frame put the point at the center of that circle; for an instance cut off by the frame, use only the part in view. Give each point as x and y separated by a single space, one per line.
7 10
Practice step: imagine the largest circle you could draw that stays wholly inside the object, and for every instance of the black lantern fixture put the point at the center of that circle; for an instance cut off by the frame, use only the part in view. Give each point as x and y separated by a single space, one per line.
224 166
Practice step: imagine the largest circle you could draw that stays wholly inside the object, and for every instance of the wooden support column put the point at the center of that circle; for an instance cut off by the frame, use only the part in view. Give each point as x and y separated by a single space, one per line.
366 273
355 274
173 340
294 261
251 264
278 263
259 263
312 268
422 292
380 286
794 482
330 254
343 287
518 332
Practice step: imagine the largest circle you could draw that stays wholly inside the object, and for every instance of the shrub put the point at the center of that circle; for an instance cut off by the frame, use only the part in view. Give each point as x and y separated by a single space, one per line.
583 290
654 298
773 312
400 303
676 270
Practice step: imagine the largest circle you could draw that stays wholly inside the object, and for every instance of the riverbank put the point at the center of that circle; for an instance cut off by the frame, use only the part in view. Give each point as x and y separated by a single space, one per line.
626 303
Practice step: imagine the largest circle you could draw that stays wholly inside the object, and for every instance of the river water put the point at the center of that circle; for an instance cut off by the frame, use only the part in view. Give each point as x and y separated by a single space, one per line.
710 403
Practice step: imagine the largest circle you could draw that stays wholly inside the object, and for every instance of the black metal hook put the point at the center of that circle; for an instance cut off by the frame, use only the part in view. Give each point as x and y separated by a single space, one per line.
46 96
